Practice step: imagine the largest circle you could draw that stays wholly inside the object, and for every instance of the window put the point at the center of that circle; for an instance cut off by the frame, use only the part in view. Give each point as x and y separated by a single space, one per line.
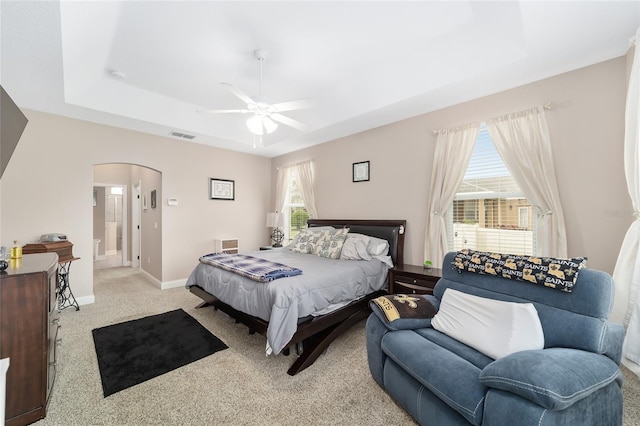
295 213
489 211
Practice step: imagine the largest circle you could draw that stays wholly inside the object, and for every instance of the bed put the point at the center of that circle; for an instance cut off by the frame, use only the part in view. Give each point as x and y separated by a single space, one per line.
307 311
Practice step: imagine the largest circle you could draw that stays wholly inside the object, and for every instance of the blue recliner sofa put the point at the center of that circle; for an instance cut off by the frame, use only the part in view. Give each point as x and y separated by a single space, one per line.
574 380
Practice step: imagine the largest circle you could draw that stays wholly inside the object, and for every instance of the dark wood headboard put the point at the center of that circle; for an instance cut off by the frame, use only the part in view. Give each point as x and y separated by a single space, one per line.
390 230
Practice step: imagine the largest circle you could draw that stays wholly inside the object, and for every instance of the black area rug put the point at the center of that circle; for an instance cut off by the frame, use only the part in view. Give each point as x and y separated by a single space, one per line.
132 352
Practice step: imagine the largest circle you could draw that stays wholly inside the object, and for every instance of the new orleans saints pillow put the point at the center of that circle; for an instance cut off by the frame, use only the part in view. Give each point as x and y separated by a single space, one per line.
552 272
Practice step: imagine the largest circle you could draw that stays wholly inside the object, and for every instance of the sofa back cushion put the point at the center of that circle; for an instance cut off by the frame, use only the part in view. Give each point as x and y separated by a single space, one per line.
574 320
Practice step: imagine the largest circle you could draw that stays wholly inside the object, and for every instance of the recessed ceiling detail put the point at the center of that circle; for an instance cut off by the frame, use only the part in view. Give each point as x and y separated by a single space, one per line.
363 64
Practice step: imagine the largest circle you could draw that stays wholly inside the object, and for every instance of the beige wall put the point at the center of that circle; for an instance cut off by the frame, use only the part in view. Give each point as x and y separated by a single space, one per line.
587 133
48 187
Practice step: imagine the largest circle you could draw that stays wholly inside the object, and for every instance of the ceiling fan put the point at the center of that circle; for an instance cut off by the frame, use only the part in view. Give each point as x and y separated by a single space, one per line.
264 117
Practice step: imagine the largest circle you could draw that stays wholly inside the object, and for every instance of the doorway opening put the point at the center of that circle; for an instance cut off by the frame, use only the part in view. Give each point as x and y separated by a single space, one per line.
127 219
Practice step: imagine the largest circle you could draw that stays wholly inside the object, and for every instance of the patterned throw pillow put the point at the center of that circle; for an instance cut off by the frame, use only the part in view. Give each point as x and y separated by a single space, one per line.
304 241
330 243
552 272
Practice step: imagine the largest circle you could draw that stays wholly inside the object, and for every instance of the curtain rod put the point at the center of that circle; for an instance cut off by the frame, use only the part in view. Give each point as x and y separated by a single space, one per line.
294 164
548 106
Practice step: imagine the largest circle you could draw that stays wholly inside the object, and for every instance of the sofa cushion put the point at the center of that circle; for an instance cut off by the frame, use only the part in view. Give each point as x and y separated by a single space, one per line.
494 327
550 272
450 377
553 378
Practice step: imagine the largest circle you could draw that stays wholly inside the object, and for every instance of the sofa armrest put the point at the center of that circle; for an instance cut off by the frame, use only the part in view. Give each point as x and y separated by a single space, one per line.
613 342
406 322
553 378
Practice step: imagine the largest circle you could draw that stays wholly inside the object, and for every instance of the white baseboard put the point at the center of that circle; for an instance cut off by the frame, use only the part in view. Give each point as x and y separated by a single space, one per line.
173 284
110 252
86 300
156 281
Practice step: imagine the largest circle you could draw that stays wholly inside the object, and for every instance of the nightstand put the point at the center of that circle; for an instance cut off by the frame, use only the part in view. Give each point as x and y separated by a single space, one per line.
413 279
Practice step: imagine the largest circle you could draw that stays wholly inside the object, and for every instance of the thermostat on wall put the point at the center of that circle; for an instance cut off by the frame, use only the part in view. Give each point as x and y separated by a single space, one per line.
172 201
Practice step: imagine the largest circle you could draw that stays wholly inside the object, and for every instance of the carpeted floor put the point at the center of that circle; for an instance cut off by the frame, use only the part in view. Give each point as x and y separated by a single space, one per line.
237 386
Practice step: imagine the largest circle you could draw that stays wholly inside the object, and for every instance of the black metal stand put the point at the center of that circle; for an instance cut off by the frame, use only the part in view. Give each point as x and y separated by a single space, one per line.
65 295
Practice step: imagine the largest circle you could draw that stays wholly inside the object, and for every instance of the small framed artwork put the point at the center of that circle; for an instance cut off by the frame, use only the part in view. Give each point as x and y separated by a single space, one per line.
153 199
361 171
222 189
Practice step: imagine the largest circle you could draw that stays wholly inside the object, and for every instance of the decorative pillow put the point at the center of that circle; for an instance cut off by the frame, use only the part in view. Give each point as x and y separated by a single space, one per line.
329 243
354 249
375 246
306 238
552 272
404 311
493 327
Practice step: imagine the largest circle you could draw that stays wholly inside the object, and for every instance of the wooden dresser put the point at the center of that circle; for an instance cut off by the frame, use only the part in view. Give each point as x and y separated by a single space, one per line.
29 325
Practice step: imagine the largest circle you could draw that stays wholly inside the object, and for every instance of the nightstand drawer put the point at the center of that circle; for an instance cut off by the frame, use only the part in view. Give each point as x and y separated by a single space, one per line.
413 279
407 285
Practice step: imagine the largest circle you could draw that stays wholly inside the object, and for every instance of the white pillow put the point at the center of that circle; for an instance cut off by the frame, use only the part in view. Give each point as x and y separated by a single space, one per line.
354 249
493 327
375 246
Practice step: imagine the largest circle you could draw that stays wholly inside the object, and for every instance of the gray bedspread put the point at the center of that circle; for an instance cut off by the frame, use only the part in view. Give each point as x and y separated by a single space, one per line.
323 284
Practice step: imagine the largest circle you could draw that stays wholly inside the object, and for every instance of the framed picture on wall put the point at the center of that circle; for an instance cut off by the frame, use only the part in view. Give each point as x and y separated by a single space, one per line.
153 199
361 171
222 189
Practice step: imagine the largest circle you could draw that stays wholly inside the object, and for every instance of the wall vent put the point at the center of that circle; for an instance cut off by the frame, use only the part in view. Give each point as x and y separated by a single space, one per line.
182 135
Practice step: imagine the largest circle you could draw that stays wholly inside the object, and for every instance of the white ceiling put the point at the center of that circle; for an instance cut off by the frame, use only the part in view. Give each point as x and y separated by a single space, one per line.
363 64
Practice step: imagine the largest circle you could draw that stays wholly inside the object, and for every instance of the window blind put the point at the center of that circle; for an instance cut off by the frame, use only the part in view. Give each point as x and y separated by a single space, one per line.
489 211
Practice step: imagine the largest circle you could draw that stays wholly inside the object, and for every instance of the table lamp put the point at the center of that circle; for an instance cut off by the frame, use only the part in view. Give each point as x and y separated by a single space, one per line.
275 221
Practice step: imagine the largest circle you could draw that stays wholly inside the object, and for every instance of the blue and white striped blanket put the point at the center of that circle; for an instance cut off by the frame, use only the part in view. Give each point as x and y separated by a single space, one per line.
254 268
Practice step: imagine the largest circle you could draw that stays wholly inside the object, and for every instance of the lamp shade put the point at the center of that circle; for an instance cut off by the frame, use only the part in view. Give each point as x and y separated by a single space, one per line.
274 220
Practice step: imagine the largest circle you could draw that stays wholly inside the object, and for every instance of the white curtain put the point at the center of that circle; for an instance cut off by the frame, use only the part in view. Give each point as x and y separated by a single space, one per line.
522 140
282 187
453 151
304 172
626 309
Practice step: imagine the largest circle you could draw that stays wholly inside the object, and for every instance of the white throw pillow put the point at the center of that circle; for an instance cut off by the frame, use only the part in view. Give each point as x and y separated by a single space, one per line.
493 327
354 249
375 246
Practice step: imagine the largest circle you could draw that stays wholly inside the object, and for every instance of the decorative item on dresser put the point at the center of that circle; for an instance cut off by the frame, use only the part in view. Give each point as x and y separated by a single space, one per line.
64 249
414 279
29 325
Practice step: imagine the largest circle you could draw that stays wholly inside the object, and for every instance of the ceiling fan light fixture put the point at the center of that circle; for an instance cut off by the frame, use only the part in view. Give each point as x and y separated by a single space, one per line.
259 125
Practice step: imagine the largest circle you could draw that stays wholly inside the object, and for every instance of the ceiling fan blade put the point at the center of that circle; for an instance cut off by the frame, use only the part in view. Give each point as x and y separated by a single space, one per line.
291 105
224 111
289 122
239 93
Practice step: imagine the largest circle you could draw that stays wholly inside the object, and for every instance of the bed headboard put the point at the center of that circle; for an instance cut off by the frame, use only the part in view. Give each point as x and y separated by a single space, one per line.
390 230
